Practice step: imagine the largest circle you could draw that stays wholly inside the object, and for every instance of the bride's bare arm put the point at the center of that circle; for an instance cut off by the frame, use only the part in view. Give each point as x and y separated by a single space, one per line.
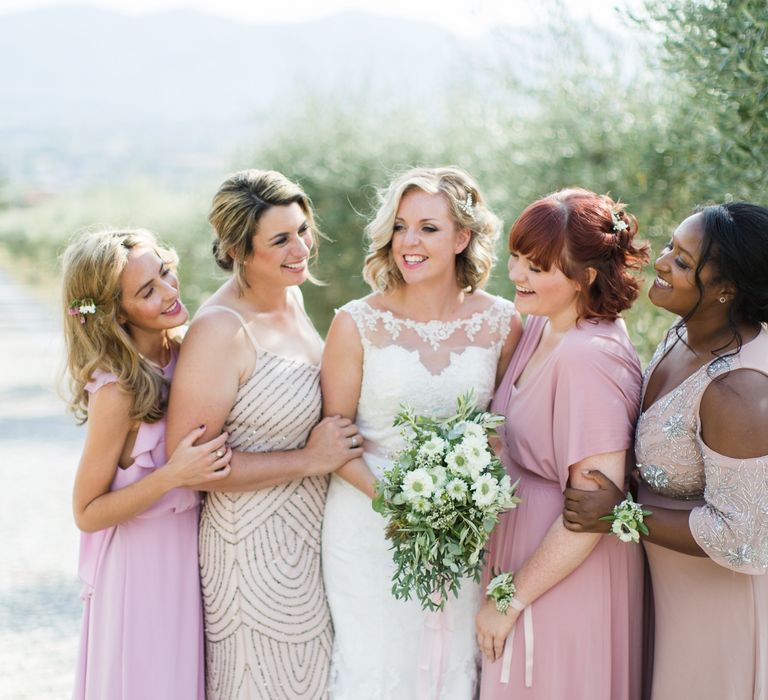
341 377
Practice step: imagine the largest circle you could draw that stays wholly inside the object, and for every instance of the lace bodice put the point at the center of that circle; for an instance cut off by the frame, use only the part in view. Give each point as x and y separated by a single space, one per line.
732 524
424 364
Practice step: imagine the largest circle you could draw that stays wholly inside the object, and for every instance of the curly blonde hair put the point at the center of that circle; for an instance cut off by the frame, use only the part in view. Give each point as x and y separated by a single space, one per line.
468 210
92 265
237 206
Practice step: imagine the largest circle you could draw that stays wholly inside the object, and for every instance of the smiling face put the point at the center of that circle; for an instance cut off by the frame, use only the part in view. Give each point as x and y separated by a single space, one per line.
281 248
149 293
675 287
425 239
543 292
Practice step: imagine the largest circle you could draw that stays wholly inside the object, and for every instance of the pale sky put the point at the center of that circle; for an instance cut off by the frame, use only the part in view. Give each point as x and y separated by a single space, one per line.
461 16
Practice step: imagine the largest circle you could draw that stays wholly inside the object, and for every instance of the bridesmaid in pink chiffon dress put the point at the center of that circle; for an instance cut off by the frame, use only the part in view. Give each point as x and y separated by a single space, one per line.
142 633
141 589
570 398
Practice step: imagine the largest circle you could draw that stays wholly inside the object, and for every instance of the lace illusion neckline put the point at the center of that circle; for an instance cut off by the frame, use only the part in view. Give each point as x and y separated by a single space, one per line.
433 332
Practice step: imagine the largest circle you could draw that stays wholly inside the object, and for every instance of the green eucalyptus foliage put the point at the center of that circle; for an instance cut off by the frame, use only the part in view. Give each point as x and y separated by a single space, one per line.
718 50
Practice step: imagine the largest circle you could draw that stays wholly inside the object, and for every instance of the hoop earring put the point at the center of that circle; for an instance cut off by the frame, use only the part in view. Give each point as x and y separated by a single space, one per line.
722 300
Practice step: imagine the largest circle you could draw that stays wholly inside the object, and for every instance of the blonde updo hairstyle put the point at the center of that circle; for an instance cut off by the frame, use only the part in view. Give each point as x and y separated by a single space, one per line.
473 264
93 264
237 207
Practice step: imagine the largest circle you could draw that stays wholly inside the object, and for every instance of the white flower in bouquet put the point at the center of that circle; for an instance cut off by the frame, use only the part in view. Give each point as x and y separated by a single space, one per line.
477 452
456 489
432 450
507 492
458 462
485 490
473 430
421 505
418 484
439 477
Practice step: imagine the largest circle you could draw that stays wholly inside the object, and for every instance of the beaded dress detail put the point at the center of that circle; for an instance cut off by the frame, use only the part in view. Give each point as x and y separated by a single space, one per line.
388 649
267 624
711 613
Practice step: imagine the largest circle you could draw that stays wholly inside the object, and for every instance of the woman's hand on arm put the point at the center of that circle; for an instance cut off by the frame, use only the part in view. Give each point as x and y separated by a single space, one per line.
341 377
215 358
667 527
109 425
559 553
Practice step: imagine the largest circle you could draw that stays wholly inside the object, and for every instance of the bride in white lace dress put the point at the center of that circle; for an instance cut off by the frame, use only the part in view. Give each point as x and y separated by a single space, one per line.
426 335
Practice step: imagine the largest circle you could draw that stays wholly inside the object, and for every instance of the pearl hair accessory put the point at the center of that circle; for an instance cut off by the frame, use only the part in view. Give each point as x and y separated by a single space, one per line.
467 206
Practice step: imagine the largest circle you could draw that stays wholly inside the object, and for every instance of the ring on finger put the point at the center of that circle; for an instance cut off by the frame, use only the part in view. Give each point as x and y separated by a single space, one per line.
220 453
354 441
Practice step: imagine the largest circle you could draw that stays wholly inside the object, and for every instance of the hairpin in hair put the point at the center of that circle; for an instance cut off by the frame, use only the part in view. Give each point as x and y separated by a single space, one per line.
619 224
82 307
467 206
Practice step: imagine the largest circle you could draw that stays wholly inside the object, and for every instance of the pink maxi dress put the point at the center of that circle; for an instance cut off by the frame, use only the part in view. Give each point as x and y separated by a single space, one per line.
582 401
142 631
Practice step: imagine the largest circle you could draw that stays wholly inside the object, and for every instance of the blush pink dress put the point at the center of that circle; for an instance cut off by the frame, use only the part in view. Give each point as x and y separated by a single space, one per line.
710 613
142 631
581 402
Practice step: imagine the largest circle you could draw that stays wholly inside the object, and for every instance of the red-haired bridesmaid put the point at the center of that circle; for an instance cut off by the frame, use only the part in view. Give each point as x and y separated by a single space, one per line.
565 624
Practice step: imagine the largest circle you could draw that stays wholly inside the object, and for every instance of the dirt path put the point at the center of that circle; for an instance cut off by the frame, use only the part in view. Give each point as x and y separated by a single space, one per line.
39 449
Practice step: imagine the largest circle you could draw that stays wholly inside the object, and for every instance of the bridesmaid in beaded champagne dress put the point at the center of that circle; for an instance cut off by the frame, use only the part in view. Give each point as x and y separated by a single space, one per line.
702 455
250 364
425 336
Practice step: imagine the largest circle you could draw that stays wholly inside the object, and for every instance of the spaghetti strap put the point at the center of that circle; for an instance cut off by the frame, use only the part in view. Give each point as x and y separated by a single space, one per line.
247 330
300 302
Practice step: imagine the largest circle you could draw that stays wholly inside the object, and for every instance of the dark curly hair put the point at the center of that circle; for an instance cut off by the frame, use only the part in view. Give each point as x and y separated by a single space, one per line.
575 230
735 242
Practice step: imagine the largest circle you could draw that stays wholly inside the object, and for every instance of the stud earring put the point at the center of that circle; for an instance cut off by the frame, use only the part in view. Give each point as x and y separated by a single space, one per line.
722 300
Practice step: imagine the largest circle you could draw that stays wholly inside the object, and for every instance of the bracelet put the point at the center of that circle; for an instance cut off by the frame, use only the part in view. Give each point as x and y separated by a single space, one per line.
627 519
502 589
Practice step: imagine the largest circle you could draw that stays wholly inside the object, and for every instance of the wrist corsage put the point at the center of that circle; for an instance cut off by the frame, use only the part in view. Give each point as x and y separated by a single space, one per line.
502 589
627 518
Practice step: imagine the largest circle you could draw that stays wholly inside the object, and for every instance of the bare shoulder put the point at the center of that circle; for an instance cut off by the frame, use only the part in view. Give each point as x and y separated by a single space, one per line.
480 301
734 414
343 329
214 326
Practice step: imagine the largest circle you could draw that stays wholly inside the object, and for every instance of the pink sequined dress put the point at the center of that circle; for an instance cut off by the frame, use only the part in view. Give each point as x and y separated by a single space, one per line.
710 613
142 631
582 401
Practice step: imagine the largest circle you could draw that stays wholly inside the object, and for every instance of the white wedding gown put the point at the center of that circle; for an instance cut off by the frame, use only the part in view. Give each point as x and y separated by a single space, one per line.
388 649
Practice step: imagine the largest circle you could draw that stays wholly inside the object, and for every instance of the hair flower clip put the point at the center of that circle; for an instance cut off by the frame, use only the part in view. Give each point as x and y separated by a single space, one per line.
467 206
82 307
619 224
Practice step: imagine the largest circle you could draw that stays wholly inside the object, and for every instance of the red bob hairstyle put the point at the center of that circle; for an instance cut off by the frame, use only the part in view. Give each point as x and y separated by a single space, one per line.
577 230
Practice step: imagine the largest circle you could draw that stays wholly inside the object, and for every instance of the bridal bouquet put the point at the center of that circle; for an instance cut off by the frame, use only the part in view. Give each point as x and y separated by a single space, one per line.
442 496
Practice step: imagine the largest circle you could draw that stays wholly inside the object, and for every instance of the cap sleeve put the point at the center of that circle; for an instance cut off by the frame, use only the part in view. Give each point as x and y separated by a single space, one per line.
364 316
597 394
99 378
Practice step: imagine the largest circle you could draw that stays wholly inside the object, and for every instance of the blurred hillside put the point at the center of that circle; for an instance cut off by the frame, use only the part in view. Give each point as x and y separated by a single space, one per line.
134 121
